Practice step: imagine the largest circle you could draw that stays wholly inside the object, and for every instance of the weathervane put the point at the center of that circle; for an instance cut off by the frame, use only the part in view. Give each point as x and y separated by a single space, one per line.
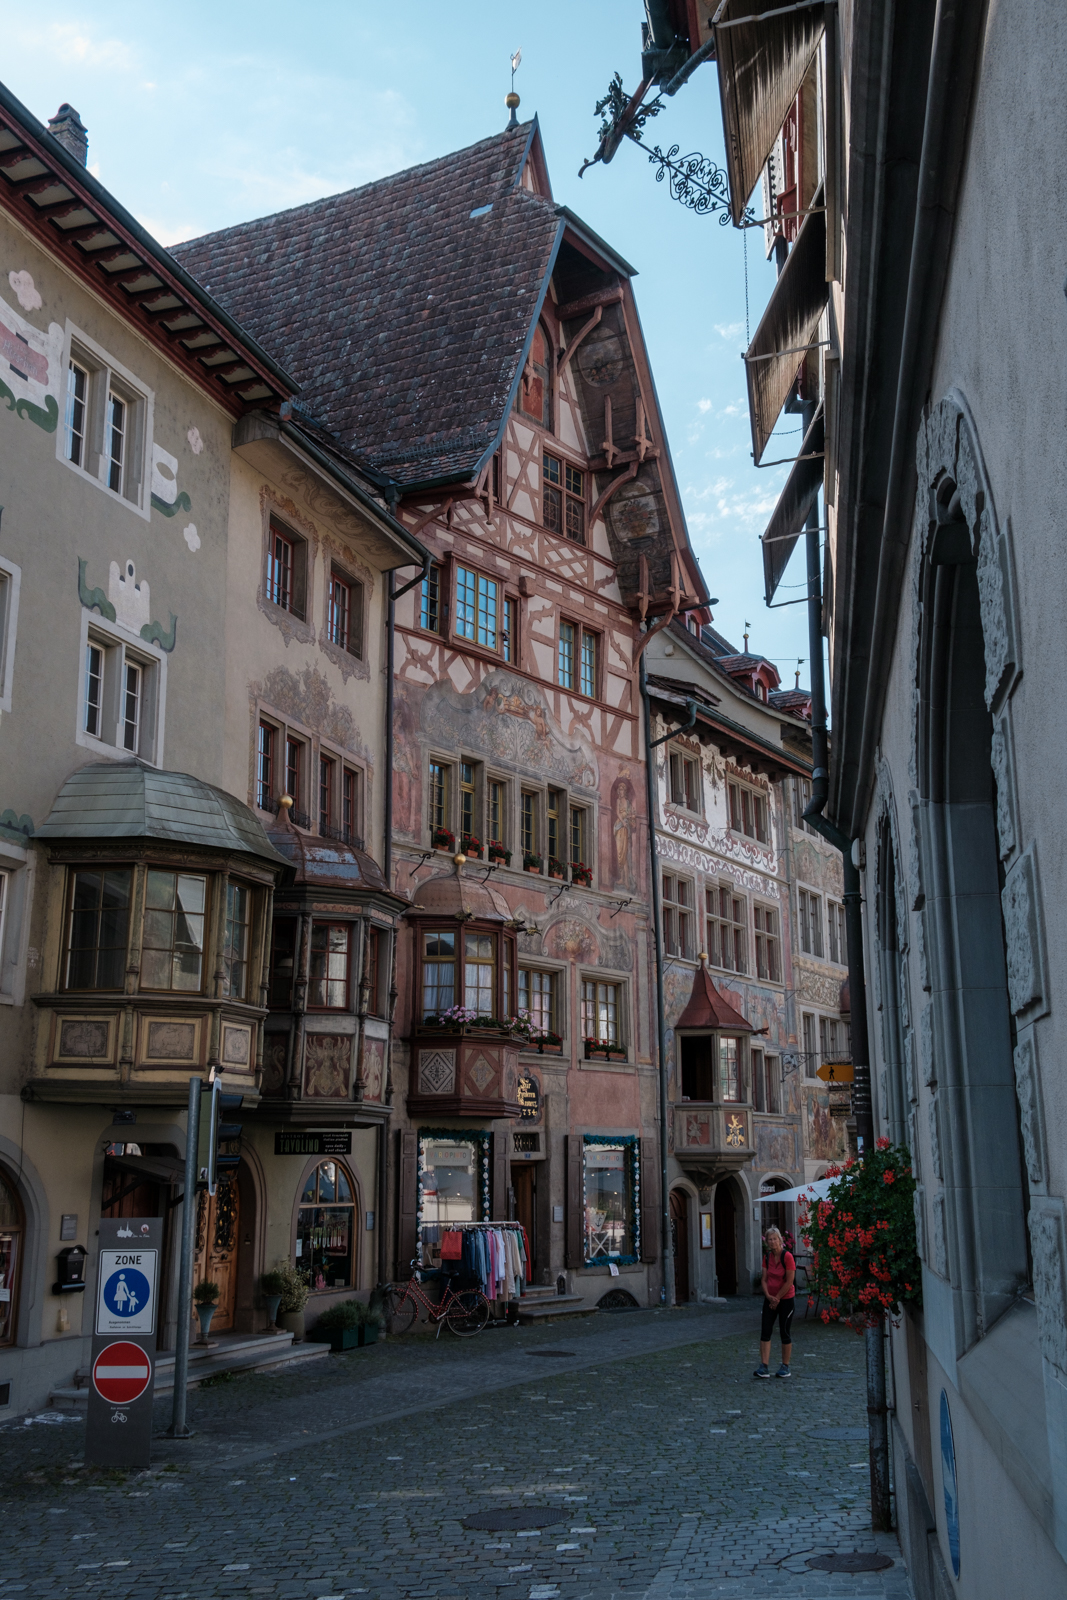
512 100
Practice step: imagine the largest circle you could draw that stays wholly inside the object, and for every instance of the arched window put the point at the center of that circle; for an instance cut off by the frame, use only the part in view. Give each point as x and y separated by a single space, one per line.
326 1229
10 1259
534 398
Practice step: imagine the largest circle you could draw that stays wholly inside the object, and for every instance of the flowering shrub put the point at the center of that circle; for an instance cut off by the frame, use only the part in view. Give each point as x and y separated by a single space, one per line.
862 1237
580 873
443 839
471 844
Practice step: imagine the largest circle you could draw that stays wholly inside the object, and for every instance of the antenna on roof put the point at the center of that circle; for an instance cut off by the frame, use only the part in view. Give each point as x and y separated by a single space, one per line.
512 100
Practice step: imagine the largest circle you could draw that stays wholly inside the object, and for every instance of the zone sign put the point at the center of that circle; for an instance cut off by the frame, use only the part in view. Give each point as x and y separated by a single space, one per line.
127 1300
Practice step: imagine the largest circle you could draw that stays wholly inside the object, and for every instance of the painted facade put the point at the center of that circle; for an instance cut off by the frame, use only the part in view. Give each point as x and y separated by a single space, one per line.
145 640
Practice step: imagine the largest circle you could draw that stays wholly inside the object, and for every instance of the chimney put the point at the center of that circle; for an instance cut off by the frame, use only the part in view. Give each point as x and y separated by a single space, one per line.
67 127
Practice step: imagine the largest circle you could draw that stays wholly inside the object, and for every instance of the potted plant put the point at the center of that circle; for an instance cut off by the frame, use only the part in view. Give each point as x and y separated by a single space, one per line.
497 852
443 839
273 1286
347 1325
532 861
292 1300
582 874
555 867
471 845
206 1299
549 1042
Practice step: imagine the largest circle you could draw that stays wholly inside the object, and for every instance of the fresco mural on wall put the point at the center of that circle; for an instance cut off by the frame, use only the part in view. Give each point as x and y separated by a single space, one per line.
31 362
826 1134
623 834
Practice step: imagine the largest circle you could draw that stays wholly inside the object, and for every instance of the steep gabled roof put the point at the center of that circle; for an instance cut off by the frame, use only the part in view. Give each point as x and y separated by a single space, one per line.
707 1008
401 313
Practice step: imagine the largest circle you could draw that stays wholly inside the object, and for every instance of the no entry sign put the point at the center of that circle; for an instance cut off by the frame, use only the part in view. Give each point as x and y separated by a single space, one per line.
121 1373
122 1363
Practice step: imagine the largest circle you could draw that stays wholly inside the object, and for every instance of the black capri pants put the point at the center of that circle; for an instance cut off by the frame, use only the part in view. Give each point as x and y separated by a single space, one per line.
782 1313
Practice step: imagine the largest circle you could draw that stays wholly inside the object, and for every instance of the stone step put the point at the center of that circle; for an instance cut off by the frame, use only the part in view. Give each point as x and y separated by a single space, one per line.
553 1306
260 1353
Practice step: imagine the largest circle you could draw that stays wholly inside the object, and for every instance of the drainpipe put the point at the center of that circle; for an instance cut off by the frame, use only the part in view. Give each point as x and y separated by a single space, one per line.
661 1010
390 654
877 1411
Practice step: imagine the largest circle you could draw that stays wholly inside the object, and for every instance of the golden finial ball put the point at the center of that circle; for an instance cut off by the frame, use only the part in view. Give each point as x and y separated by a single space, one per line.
511 100
285 801
459 860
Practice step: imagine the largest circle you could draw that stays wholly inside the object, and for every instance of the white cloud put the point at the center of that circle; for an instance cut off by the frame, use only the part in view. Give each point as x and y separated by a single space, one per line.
704 405
70 44
729 330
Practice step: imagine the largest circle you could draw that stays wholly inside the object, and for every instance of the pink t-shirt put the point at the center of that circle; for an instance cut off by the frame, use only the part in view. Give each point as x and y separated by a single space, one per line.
775 1273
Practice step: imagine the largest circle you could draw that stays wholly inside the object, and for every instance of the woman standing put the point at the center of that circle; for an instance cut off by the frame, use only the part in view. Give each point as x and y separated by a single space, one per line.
779 1299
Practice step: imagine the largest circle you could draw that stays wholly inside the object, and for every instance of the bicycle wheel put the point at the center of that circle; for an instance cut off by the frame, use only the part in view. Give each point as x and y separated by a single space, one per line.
468 1314
400 1311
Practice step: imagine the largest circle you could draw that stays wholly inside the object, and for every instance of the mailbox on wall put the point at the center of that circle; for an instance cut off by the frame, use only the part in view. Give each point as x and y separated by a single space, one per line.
71 1262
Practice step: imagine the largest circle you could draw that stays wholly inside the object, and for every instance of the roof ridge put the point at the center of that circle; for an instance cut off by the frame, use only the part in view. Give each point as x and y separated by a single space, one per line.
307 206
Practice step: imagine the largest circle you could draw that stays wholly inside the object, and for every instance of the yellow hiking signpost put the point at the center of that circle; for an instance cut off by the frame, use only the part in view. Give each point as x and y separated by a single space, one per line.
836 1072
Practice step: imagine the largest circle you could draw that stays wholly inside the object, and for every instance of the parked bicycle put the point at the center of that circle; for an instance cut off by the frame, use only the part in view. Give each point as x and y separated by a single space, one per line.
464 1310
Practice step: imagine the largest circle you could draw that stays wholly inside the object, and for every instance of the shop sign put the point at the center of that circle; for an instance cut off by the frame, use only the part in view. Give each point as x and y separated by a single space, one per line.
529 1098
301 1142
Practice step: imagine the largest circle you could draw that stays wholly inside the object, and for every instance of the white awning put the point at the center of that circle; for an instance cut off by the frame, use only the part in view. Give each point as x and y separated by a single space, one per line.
810 1191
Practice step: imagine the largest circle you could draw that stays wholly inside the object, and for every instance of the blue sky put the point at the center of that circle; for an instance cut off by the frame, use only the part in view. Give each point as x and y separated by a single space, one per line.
207 114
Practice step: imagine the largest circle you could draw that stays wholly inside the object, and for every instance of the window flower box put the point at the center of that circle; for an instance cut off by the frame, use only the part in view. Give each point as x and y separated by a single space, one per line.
582 875
603 1047
470 845
497 852
555 868
532 861
443 839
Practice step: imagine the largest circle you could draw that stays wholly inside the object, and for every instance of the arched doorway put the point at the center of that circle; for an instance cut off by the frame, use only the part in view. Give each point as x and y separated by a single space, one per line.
12 1234
775 1214
680 1245
725 1238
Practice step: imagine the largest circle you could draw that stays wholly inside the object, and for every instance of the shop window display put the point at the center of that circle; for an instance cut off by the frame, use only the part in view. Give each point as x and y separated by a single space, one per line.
325 1229
449 1181
610 1200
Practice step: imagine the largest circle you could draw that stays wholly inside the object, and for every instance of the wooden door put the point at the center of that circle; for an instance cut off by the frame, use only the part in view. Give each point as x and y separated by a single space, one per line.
217 1233
680 1245
524 1187
725 1239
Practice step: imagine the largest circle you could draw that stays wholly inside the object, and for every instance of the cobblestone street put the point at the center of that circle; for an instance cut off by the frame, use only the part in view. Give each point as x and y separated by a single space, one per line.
646 1462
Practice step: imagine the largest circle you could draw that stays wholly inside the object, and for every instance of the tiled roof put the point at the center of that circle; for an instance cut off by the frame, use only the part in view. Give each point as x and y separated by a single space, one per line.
796 701
401 316
707 1008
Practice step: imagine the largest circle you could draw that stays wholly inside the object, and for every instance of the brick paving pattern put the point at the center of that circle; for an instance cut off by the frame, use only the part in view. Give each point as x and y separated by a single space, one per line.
675 1474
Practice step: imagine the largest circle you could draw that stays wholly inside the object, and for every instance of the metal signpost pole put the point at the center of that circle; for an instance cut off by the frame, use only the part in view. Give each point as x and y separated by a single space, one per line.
179 1428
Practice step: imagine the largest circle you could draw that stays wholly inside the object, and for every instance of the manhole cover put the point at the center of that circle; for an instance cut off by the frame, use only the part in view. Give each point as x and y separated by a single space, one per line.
852 1561
506 1521
559 1353
839 1433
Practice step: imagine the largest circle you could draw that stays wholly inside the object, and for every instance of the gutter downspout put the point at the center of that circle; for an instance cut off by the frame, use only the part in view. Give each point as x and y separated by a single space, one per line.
877 1411
661 1009
390 656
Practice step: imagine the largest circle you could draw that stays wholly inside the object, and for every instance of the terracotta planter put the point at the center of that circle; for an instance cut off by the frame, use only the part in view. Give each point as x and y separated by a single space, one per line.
556 875
536 870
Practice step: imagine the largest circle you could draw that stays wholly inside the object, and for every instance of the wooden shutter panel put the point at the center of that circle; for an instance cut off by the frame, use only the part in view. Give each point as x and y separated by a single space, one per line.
574 1256
407 1242
650 1218
499 1190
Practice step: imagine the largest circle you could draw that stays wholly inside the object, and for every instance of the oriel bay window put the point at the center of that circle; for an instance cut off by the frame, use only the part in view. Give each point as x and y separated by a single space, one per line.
282 963
326 1229
99 929
467 968
235 949
172 954
329 969
610 1217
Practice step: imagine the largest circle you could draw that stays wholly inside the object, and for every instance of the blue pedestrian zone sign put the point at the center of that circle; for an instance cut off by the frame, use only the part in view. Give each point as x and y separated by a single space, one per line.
127 1301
